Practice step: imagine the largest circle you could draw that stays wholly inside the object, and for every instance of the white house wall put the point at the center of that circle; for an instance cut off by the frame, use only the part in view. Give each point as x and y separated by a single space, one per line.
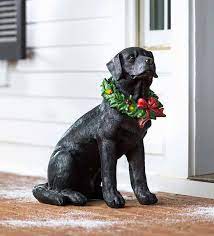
69 42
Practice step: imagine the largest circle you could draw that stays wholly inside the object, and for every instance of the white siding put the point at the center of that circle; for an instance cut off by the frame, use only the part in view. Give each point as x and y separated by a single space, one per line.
69 42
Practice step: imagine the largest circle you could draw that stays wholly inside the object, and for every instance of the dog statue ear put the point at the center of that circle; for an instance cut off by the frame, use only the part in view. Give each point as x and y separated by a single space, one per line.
114 66
151 54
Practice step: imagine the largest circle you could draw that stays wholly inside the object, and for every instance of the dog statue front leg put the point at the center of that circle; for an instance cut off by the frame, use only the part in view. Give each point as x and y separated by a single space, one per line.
136 159
108 160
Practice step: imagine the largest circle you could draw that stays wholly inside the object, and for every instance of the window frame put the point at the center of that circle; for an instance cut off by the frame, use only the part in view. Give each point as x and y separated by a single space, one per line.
154 38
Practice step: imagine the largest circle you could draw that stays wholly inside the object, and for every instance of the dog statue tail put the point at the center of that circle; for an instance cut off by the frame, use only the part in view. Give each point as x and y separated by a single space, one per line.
48 196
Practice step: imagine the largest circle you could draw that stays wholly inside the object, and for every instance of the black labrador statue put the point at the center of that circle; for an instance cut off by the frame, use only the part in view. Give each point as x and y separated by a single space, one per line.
83 164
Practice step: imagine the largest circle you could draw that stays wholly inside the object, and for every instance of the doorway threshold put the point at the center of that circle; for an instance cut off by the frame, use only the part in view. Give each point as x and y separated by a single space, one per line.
204 178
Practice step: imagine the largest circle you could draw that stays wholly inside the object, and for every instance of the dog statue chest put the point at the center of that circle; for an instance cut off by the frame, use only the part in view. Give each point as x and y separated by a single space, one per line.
129 130
121 128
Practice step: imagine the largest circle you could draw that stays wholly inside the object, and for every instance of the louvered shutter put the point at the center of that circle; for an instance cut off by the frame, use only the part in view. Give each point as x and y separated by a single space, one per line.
12 29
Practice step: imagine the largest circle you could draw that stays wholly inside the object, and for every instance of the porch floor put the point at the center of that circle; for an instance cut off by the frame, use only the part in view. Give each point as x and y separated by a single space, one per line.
21 214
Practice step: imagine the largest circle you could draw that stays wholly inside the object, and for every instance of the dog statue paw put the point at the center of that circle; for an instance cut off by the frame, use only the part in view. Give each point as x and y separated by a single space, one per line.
113 198
146 197
83 164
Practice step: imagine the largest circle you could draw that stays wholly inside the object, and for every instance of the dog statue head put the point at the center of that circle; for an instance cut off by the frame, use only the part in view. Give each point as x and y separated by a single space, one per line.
133 70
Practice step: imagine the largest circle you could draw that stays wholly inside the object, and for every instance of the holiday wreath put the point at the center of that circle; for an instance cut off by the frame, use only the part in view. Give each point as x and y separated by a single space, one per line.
149 108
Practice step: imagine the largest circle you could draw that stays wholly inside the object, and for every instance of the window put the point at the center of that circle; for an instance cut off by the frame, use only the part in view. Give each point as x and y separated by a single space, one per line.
157 22
12 29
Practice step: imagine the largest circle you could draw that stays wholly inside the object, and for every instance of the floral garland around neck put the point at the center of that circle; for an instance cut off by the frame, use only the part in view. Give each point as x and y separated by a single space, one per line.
142 109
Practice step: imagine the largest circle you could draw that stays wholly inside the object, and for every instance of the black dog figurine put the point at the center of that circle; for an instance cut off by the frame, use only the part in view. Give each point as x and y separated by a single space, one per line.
83 164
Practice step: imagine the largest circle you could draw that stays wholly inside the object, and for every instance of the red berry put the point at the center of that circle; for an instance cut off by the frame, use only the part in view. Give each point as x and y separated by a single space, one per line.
141 103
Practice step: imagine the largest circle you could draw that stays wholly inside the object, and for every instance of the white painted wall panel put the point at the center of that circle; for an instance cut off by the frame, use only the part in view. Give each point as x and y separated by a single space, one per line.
83 32
55 10
47 134
155 139
73 85
31 133
93 58
24 159
44 109
163 61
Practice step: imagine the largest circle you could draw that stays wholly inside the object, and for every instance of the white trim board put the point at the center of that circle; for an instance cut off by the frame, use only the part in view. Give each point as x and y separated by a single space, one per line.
171 185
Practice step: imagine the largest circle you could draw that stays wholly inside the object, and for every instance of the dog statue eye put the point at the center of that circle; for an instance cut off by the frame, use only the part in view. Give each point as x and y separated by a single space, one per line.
149 61
131 58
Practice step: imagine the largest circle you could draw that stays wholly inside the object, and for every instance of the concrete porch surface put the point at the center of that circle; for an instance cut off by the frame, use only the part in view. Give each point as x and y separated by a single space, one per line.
21 214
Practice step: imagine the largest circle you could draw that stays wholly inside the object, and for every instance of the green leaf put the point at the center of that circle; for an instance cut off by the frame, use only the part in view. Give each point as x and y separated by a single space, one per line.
142 112
144 116
160 104
152 115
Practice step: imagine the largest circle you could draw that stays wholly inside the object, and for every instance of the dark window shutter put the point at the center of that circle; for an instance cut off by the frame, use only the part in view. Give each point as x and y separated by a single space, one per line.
12 29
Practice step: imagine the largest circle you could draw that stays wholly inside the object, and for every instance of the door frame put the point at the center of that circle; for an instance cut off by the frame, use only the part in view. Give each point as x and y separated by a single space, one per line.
201 84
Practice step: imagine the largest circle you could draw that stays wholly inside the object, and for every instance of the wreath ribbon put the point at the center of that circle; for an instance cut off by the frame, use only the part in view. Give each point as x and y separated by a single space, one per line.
151 105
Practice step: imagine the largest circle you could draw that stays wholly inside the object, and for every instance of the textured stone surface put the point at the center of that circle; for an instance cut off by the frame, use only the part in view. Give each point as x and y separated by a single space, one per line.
21 214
